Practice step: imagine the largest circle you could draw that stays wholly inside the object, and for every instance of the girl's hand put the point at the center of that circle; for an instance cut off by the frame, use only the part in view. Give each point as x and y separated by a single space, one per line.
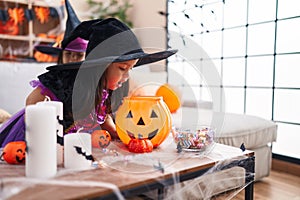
35 96
110 126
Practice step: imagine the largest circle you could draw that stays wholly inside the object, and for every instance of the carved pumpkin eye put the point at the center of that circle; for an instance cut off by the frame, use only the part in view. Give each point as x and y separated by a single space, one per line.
101 137
153 114
129 115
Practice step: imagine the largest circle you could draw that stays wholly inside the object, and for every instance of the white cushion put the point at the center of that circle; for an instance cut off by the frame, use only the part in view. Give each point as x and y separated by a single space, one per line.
252 131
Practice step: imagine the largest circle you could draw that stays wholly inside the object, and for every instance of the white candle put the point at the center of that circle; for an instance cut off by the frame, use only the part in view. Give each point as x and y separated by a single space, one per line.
77 151
59 128
40 138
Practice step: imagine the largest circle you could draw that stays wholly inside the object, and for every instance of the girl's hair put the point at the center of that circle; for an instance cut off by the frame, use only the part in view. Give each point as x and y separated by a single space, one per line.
99 92
117 96
60 57
89 91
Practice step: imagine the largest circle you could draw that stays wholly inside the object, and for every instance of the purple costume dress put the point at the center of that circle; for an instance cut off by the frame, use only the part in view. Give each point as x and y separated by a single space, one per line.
14 128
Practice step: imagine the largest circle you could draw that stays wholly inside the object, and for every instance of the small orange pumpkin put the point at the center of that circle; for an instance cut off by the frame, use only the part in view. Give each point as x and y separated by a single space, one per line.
140 146
14 152
100 139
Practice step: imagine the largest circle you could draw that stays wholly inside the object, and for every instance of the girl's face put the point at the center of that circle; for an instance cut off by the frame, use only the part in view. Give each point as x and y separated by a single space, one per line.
71 56
118 73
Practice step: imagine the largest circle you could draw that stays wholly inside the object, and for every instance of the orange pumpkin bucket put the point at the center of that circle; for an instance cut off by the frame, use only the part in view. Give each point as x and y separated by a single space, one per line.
143 117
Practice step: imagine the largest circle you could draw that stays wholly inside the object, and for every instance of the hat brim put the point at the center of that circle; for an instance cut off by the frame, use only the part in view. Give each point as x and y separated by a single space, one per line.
144 58
53 51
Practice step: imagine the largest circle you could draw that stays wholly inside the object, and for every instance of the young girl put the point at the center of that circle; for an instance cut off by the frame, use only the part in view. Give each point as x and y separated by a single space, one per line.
86 88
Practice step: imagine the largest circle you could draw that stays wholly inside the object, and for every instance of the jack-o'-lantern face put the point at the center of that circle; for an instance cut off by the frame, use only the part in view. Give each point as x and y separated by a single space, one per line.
14 152
143 118
100 139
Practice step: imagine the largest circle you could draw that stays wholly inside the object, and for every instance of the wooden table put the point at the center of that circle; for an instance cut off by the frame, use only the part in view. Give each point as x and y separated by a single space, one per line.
127 174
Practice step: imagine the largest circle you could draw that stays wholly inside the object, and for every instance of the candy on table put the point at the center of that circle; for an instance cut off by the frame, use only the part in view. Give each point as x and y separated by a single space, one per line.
197 139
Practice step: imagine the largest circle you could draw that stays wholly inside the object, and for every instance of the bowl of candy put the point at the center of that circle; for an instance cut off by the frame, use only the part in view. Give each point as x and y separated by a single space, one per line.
193 140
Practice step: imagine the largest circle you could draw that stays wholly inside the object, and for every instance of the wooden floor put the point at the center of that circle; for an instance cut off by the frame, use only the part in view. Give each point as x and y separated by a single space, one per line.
278 186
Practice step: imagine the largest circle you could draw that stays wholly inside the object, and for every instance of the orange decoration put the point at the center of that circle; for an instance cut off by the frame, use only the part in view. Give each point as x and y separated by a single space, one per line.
140 146
42 14
59 38
14 152
42 57
9 28
143 117
170 96
9 57
100 139
42 35
52 36
16 15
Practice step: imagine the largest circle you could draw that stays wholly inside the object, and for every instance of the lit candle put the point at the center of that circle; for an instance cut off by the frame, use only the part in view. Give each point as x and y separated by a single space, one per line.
40 139
59 127
77 151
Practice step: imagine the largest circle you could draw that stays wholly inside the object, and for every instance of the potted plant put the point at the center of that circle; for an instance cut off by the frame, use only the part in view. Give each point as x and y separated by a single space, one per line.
110 8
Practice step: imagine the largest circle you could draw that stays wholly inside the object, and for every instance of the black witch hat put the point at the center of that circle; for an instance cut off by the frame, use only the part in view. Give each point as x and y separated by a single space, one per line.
72 20
110 40
77 44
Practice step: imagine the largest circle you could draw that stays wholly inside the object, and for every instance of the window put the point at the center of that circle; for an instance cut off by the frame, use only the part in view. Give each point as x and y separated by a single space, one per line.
254 46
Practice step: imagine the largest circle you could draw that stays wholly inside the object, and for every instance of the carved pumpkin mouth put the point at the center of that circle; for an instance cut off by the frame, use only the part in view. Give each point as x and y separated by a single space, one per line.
104 144
20 160
150 135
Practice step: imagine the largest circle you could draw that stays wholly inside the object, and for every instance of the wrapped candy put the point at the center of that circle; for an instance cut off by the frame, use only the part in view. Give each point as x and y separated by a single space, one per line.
196 140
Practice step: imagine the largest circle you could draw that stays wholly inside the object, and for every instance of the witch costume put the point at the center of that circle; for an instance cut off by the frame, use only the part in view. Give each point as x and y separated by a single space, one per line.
75 84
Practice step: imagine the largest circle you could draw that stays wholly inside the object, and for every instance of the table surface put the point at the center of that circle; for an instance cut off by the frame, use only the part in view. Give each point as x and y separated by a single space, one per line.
122 171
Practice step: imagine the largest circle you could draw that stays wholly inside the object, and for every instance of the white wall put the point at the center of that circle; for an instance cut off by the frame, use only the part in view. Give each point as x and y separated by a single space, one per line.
144 13
14 83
